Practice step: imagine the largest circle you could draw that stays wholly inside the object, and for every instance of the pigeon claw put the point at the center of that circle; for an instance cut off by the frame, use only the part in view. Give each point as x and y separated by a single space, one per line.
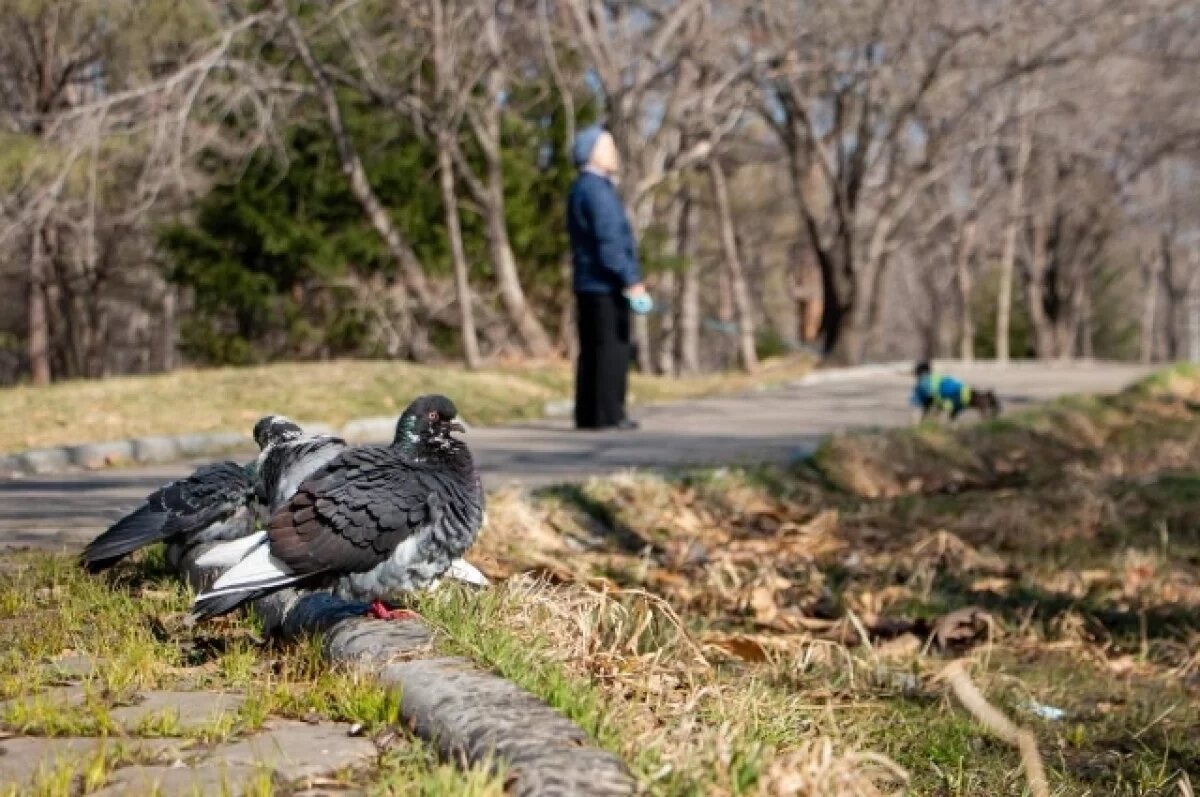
380 611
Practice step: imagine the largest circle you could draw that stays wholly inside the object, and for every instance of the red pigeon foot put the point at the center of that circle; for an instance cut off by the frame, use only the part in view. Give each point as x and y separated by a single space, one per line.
381 612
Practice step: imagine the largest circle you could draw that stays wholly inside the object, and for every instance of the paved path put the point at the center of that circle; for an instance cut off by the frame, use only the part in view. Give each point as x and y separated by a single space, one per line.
64 511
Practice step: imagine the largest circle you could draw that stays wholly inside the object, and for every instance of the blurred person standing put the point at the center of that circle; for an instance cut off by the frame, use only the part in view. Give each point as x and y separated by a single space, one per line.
607 281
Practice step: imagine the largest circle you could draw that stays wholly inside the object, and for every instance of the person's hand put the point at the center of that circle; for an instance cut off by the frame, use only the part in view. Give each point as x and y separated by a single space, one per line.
640 300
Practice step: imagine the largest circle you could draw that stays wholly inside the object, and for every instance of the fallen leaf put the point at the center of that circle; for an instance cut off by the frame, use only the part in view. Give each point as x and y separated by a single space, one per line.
823 523
743 647
762 601
902 647
962 628
999 586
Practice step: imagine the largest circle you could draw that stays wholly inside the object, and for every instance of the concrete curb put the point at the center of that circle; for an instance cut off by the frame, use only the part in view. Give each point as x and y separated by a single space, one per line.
833 375
470 715
169 448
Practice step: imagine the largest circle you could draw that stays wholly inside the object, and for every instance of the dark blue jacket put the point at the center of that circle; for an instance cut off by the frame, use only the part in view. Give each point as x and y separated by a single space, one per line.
602 245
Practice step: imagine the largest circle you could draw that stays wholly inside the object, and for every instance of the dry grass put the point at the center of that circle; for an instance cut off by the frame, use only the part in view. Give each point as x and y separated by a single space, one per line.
231 399
760 630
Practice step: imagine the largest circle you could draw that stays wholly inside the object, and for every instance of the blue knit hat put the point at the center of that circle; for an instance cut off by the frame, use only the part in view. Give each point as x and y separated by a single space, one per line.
585 142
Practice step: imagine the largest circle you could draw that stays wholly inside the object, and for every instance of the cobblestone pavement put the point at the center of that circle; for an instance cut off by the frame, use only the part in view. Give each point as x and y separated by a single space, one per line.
156 743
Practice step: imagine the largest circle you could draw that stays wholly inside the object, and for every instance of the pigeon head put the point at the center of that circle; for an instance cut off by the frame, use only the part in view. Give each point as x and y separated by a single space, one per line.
428 423
272 429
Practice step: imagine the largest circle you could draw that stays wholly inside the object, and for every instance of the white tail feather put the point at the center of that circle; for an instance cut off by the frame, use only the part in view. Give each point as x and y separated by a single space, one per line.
259 569
228 554
463 570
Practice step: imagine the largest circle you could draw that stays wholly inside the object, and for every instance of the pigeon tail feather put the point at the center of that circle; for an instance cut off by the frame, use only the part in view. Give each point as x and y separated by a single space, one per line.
463 570
145 526
208 606
228 554
259 569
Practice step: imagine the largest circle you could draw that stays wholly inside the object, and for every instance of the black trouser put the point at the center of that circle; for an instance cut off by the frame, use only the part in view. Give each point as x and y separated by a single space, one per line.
603 368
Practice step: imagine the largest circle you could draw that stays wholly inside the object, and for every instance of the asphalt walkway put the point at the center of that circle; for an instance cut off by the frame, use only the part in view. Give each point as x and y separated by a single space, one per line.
66 510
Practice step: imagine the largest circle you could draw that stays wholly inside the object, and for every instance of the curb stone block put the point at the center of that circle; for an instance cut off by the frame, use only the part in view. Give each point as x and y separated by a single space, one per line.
93 456
316 427
199 445
559 408
155 449
467 712
362 430
44 460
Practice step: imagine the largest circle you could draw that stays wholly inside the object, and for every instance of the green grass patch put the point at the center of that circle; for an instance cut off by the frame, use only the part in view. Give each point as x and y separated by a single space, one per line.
126 627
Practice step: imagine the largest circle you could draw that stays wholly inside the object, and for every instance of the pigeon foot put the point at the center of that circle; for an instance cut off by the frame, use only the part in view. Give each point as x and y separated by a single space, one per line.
380 611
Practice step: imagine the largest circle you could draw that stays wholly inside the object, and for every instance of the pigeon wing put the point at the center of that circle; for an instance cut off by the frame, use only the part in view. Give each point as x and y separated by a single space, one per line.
350 516
212 493
283 468
182 509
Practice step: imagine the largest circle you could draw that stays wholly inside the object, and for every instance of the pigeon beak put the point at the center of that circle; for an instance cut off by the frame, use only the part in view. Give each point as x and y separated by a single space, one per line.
459 426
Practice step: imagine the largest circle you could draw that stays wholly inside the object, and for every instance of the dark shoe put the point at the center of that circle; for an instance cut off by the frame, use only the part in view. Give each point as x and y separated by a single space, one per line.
628 424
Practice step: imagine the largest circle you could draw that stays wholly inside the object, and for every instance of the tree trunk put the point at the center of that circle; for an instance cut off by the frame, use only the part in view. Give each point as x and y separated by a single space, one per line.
689 320
747 353
462 280
1173 295
668 330
1008 260
1043 327
689 292
1193 309
568 339
352 167
39 324
512 296
669 287
163 354
1150 290
1087 343
832 248
962 281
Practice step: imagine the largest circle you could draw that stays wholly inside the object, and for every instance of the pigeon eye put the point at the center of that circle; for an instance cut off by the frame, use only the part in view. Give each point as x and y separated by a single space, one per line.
433 415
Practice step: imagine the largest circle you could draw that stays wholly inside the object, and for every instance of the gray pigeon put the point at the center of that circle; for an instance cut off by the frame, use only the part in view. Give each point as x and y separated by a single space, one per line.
292 457
374 521
218 502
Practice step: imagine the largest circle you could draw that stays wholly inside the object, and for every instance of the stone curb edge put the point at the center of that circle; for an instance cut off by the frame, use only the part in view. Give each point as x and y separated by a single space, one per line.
160 449
473 717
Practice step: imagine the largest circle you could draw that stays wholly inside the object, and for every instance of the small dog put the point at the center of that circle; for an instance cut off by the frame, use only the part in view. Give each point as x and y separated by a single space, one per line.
937 393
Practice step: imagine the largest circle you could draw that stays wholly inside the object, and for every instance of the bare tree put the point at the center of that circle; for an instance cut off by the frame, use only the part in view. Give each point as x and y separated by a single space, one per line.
736 274
1016 208
105 136
447 38
485 119
356 175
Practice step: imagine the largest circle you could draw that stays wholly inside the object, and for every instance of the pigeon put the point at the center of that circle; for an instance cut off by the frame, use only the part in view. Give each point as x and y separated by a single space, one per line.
290 459
374 521
220 501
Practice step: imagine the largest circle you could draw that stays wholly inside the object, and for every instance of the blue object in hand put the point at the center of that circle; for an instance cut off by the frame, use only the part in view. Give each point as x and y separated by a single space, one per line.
641 303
